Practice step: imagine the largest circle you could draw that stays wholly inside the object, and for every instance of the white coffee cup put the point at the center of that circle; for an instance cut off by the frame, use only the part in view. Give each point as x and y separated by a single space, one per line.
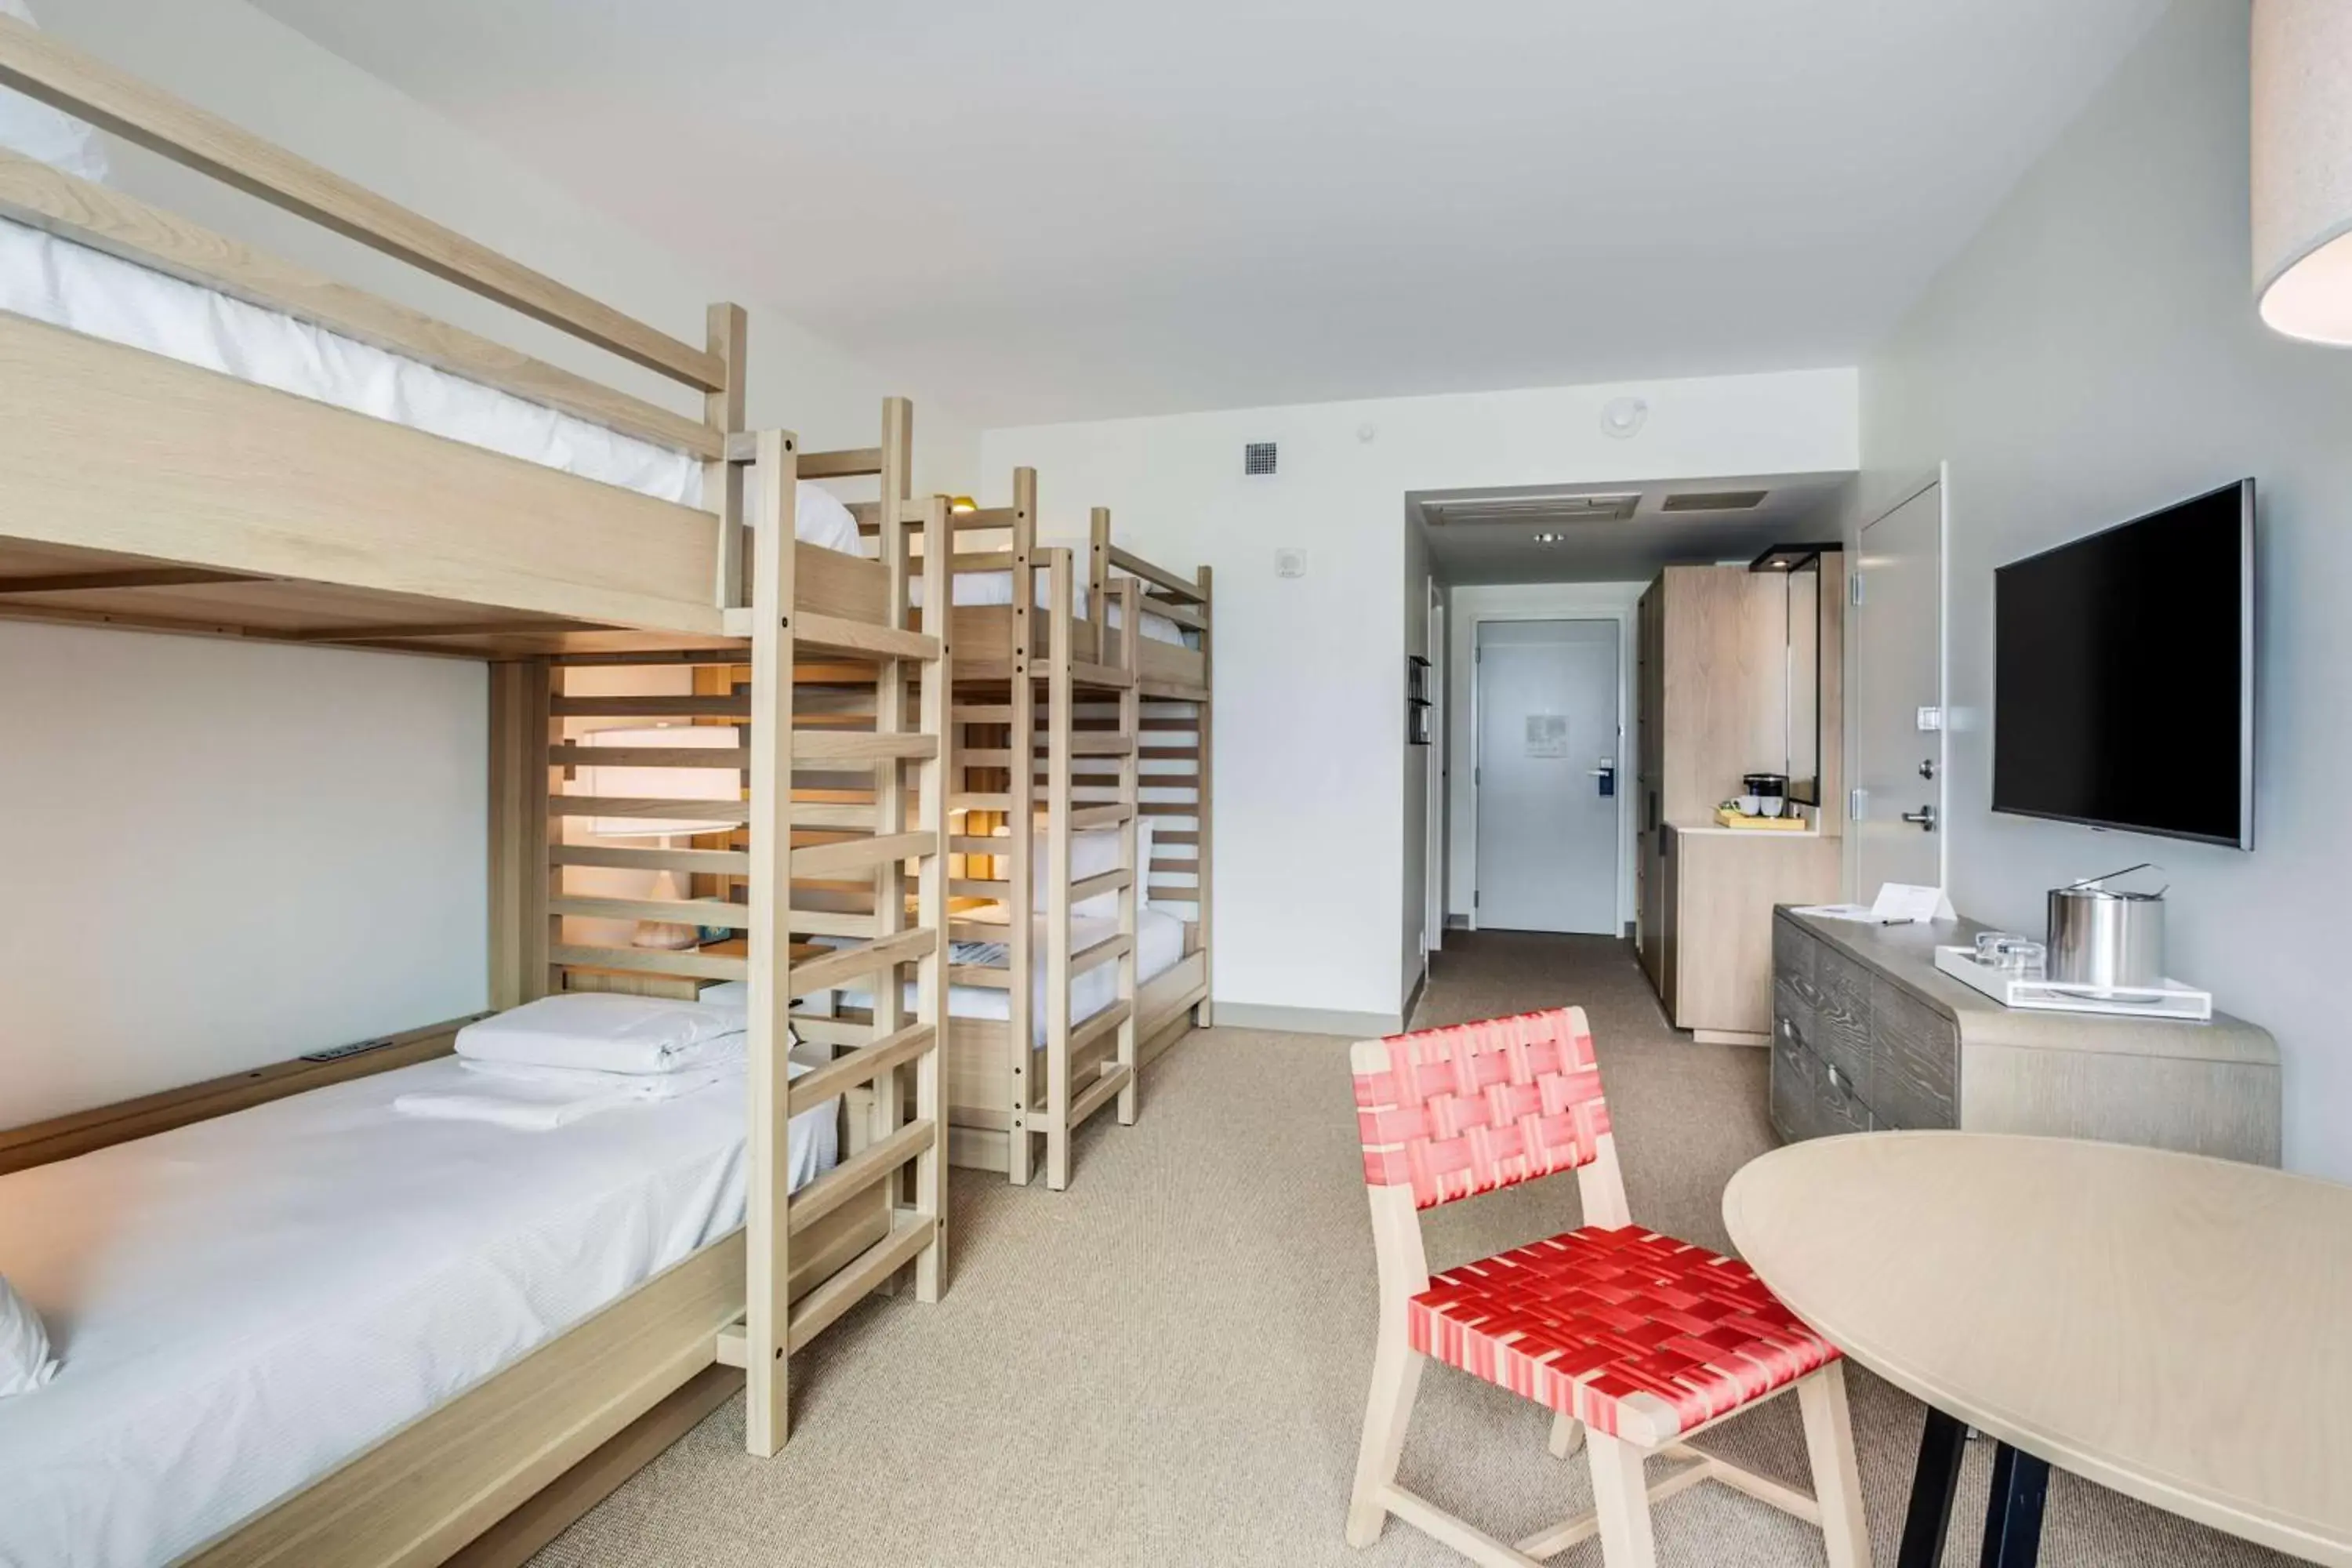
1751 806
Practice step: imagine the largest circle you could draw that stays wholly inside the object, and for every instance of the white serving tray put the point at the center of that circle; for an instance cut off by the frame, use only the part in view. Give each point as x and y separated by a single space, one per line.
2169 1000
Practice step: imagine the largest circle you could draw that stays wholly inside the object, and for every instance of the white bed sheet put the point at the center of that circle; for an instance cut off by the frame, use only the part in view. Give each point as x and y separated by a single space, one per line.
1159 948
242 1304
68 285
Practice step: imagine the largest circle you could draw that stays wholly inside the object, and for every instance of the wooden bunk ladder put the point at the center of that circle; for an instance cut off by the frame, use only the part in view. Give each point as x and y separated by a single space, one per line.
1081 1077
813 836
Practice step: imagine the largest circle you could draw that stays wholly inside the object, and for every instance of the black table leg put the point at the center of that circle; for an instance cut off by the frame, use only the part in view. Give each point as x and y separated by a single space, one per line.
2013 1512
1932 1486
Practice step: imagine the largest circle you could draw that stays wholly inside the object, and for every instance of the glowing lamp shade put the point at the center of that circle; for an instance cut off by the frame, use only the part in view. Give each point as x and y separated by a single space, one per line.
2303 167
623 781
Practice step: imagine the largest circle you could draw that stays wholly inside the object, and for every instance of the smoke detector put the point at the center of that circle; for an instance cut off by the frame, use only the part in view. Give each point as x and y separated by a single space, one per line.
1623 417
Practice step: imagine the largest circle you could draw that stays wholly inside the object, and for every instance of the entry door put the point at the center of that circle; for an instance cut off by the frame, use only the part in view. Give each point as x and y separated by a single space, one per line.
1547 776
1898 693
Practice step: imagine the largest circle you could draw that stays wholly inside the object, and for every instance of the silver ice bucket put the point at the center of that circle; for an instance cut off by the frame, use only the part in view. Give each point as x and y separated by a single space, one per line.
2106 938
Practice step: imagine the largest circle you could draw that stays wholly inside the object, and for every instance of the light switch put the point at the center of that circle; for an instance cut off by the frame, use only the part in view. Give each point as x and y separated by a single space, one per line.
1290 563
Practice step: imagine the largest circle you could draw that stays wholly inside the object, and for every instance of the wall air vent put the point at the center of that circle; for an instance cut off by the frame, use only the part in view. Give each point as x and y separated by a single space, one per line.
1479 511
1257 457
1717 501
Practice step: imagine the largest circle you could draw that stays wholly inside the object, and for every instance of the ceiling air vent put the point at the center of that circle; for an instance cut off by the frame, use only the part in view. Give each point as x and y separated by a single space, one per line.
1717 501
1470 511
1257 457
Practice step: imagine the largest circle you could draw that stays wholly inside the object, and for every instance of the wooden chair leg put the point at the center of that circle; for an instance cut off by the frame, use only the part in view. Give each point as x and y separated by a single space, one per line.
1837 1481
1396 1377
1621 1497
1567 1435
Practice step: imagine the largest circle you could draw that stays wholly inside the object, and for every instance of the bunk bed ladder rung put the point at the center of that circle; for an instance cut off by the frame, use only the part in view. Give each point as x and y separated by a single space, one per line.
857 1174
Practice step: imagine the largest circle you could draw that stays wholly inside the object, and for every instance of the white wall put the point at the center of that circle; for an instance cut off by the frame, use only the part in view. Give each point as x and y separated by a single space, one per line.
191 890
1467 607
219 855
2094 353
1309 798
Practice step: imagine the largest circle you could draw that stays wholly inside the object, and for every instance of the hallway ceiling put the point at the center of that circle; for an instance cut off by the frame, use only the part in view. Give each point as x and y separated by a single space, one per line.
1053 209
1495 539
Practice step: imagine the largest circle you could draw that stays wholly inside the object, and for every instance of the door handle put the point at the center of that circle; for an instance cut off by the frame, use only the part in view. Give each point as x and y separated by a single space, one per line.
1924 818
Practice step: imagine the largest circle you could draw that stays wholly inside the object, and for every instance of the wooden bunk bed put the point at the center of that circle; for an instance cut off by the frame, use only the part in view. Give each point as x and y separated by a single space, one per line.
138 492
1112 654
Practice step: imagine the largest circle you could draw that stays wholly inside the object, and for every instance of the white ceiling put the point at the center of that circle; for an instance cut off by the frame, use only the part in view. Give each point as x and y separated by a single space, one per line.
1797 508
1072 209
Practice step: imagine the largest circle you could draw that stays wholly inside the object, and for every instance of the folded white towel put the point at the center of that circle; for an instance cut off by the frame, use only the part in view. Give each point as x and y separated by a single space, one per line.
606 1033
589 1080
529 1105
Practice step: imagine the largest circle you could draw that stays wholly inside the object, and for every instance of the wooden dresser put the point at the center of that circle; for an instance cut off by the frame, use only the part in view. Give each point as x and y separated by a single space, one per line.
1867 1034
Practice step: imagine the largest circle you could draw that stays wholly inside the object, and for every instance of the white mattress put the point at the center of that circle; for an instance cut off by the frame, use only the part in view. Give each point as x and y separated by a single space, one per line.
70 285
242 1304
1159 947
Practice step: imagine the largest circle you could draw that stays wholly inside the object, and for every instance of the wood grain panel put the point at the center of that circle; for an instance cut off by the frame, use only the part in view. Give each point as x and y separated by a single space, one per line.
1915 1067
1842 1020
1804 1105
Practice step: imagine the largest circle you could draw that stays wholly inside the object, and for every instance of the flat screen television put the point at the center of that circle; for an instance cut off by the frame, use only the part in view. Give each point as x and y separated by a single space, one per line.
2123 679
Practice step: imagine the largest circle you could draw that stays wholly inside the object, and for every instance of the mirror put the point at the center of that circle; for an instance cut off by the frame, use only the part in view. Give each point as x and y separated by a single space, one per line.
1804 691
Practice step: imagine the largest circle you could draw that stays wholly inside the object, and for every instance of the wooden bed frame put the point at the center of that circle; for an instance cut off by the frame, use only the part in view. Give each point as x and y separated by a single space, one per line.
139 492
1112 714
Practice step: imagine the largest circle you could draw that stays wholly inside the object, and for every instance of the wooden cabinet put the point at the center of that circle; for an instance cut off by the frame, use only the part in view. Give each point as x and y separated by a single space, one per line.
1718 888
1711 686
1868 1034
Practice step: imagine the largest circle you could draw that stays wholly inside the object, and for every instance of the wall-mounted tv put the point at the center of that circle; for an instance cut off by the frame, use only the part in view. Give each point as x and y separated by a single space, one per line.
2123 675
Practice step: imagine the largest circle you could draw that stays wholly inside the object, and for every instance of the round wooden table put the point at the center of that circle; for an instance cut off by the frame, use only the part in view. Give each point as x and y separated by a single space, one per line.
2178 1329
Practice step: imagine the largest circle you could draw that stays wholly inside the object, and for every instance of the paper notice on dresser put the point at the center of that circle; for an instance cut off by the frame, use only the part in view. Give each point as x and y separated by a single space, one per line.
1898 903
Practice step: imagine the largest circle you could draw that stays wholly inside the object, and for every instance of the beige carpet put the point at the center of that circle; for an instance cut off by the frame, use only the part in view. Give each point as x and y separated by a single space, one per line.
1166 1363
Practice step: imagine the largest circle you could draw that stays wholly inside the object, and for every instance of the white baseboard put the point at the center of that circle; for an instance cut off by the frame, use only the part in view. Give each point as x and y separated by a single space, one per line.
1306 1020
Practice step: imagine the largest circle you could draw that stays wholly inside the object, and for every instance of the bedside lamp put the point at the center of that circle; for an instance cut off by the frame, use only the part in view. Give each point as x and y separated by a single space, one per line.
625 781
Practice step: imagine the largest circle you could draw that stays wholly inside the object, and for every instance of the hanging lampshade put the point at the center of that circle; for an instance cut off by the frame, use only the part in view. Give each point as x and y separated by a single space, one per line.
2303 167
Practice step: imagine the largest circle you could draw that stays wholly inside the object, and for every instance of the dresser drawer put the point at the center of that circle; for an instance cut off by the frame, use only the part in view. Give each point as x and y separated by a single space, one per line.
1810 1100
1916 1067
1795 956
1842 1020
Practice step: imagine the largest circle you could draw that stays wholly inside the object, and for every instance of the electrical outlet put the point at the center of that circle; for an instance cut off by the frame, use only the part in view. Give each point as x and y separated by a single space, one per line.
1290 563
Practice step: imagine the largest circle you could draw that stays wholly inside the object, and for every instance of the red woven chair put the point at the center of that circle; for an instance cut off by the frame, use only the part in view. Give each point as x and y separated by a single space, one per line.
1639 1340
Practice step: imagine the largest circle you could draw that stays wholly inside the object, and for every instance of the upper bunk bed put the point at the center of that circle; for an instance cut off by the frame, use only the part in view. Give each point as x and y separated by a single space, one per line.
394 482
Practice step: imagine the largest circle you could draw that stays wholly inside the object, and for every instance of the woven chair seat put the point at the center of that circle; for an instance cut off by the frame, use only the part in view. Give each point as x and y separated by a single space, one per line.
1634 1333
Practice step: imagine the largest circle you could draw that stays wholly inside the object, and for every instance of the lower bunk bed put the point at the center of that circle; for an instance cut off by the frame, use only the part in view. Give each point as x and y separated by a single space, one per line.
1171 969
322 1332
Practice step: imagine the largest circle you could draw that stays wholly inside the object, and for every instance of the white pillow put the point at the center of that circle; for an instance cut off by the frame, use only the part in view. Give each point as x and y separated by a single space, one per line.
818 515
25 1359
36 131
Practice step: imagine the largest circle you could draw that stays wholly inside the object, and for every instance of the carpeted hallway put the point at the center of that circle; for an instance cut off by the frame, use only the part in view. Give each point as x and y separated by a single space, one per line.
1166 1363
